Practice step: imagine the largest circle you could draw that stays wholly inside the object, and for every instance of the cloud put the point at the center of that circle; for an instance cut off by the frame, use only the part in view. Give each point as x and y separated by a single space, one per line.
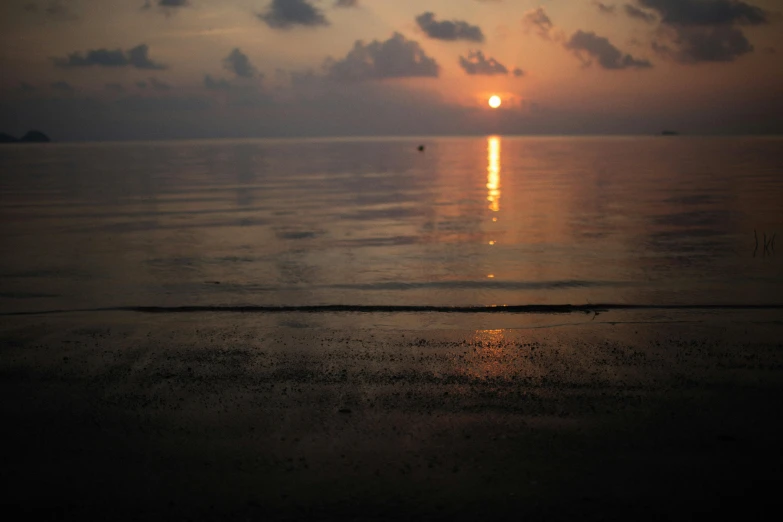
346 3
285 14
238 63
691 45
397 57
477 64
63 87
538 21
216 84
114 87
518 72
141 84
137 57
448 29
166 5
639 14
705 30
588 45
585 45
27 88
604 8
706 12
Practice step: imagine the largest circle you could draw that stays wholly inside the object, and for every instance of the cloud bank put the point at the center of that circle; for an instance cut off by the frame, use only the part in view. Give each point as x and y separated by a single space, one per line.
137 57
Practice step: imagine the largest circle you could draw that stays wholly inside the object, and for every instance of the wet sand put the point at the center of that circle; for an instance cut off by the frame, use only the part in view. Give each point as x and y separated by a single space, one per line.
129 416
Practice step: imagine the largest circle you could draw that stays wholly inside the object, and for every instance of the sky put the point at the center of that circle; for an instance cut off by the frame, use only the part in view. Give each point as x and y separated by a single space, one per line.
182 69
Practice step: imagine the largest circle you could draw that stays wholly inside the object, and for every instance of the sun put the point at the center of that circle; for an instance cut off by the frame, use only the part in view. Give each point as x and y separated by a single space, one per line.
495 102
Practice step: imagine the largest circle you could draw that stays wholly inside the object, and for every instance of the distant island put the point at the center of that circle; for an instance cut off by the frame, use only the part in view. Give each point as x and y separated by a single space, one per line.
33 136
670 133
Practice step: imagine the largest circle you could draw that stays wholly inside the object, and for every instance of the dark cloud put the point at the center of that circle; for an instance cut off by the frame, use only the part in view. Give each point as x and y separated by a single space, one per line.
27 88
114 87
137 57
704 30
477 64
285 14
692 45
518 72
141 84
448 29
639 14
706 12
63 87
238 63
167 5
346 3
587 46
216 84
397 57
537 20
605 8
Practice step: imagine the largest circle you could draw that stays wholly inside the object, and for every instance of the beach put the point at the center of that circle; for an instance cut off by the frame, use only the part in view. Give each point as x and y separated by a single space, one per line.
132 416
500 328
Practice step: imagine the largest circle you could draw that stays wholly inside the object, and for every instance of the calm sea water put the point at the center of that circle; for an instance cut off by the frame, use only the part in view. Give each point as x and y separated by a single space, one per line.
471 221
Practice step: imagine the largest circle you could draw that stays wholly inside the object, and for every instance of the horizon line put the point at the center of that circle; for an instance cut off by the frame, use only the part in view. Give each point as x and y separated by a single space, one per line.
399 137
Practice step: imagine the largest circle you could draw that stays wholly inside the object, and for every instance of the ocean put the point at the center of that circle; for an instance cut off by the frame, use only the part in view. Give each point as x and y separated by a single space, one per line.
468 222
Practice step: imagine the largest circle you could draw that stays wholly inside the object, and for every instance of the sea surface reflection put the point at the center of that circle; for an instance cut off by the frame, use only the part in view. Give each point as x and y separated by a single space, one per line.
472 221
493 173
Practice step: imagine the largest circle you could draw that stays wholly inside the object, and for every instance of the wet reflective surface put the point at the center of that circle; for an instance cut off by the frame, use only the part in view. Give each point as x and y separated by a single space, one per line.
116 416
471 221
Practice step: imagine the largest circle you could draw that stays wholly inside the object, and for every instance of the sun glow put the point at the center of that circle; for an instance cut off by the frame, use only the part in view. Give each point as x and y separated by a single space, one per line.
495 102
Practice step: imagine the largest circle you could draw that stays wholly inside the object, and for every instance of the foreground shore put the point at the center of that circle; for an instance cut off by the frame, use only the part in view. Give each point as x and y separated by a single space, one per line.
129 416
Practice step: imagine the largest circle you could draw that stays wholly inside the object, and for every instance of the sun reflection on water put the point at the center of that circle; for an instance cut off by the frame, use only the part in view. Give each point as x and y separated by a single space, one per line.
493 173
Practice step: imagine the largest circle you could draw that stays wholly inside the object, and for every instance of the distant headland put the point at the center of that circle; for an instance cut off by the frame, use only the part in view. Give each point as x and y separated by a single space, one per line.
33 136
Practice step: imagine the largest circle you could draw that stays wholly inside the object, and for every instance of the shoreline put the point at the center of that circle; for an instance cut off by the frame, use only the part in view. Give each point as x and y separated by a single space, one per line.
538 309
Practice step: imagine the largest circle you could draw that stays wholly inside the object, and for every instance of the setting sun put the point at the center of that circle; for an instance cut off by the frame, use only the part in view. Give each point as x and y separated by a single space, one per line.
495 102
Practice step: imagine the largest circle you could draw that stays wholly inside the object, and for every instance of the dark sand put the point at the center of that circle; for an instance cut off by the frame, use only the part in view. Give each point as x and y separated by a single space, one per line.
122 416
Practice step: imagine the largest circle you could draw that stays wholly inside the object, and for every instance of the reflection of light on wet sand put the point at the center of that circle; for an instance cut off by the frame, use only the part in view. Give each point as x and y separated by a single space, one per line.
499 357
490 358
493 173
